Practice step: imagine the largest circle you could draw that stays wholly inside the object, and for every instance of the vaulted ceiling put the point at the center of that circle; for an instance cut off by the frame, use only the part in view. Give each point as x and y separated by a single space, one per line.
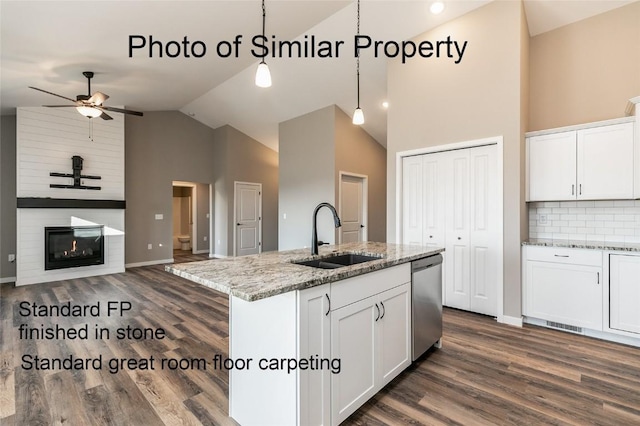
48 44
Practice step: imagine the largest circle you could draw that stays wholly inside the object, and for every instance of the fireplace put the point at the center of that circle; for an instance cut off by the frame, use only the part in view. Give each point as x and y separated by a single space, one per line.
73 246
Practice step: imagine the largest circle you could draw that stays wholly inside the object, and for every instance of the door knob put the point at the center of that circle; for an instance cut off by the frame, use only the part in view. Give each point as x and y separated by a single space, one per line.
361 226
238 224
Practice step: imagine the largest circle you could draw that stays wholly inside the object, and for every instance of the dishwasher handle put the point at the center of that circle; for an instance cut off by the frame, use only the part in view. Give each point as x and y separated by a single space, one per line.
426 262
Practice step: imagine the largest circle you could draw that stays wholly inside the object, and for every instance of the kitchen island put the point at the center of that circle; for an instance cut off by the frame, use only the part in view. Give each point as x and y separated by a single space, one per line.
309 345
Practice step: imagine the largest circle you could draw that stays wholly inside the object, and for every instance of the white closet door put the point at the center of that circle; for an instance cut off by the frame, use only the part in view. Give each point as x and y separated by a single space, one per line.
434 179
457 231
483 233
412 200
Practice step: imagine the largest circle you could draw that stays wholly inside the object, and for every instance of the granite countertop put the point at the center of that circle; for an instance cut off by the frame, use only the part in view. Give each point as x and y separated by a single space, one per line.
595 245
268 274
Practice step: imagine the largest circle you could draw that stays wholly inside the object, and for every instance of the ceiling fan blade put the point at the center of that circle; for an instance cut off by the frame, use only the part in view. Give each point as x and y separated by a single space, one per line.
98 98
59 106
54 94
105 116
124 111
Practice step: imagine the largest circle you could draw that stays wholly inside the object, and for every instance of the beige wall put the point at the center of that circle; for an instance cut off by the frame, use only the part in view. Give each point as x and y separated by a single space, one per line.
357 152
585 71
7 195
435 102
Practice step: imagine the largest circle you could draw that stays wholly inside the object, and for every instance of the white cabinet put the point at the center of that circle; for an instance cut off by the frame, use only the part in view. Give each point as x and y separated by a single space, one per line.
624 293
564 285
370 334
551 161
450 199
595 163
314 339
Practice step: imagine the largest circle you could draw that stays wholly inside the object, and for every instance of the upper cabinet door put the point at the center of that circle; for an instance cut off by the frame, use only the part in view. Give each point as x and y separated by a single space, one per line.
605 162
551 167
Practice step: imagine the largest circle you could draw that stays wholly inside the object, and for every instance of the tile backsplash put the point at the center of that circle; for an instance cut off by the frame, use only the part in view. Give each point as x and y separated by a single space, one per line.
602 221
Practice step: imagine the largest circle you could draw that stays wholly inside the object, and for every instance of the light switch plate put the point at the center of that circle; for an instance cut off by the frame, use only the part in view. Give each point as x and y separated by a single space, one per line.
159 216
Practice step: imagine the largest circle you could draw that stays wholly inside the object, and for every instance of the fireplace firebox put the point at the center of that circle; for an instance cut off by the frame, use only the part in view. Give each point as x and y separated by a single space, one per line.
73 246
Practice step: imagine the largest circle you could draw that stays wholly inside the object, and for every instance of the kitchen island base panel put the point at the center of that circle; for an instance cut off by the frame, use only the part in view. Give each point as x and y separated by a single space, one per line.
262 329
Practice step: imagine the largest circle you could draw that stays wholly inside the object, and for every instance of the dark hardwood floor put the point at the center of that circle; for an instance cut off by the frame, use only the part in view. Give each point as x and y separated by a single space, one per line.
485 373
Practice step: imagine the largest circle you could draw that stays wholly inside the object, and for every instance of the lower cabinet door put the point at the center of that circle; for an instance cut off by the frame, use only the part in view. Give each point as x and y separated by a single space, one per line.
394 328
353 341
565 293
314 341
624 296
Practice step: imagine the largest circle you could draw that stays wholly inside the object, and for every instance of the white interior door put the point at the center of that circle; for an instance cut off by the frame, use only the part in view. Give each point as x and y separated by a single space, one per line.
248 212
457 232
352 209
483 235
412 200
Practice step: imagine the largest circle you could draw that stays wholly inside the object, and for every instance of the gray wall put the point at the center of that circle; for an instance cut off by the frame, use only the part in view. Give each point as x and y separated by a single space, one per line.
7 195
314 149
239 158
306 177
437 102
159 148
357 152
163 147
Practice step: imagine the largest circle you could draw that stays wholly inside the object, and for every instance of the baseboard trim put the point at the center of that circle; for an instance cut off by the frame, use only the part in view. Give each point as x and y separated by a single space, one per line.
7 280
514 321
148 263
219 256
201 251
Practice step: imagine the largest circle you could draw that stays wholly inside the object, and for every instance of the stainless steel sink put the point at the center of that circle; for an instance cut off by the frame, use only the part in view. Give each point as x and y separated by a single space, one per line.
338 261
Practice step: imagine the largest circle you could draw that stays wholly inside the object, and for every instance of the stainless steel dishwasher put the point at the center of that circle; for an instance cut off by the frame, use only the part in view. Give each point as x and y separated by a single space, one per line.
426 304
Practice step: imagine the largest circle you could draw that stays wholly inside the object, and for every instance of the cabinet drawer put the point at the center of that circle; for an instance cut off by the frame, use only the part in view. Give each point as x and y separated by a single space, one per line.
564 255
357 288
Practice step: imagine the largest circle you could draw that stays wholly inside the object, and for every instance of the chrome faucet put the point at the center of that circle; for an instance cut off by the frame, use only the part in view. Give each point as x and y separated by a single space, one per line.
314 237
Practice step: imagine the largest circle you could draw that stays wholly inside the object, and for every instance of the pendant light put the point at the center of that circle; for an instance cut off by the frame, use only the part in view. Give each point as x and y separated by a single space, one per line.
263 76
358 115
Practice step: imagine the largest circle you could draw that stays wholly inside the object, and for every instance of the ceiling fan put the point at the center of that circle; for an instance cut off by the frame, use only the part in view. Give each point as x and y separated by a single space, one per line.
91 106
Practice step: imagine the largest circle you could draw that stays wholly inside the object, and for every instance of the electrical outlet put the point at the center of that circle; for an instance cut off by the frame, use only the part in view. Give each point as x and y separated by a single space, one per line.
159 216
149 246
284 215
12 258
204 238
542 219
208 216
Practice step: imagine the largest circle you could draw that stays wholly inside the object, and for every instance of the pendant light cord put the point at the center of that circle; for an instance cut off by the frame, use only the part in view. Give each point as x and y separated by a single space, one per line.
358 56
264 19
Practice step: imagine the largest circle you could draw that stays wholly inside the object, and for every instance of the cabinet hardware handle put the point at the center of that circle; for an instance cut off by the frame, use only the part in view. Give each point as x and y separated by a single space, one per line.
573 189
459 238
329 308
430 236
561 255
384 310
580 190
598 277
378 309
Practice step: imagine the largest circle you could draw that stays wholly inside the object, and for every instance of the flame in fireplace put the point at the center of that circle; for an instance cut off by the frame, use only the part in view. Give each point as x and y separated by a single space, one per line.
73 246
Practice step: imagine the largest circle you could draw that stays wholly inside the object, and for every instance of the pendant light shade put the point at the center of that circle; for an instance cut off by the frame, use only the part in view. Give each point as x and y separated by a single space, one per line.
263 75
358 115
89 112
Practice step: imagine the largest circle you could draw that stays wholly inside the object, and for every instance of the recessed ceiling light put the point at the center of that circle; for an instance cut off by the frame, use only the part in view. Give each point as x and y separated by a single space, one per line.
436 7
385 104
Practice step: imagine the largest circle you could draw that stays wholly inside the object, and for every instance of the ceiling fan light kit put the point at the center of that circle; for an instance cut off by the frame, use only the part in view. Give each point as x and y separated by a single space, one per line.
90 105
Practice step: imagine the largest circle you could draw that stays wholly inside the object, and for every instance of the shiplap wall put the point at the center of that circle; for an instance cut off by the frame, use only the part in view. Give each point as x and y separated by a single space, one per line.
46 139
